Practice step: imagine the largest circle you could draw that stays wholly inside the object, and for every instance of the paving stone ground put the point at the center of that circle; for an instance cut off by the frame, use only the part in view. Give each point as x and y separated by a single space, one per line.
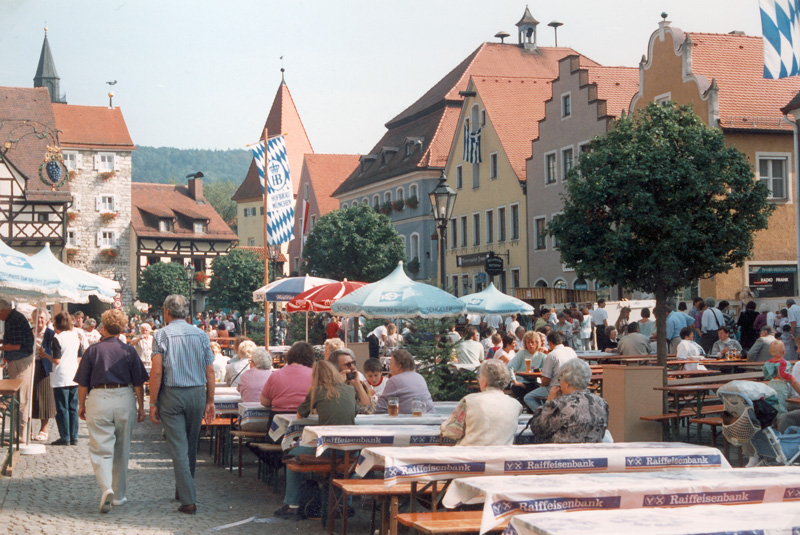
57 494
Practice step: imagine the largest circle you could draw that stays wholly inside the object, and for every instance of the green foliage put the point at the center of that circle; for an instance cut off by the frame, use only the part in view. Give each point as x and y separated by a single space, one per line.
432 358
236 276
354 243
160 280
219 194
297 328
165 165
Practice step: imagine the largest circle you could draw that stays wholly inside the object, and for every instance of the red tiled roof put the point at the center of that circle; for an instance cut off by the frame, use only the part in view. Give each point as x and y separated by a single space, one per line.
94 127
152 202
17 105
325 173
615 85
746 99
514 107
283 119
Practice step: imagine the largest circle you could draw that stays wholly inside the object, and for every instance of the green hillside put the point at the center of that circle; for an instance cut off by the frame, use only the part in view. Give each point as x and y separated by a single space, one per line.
164 165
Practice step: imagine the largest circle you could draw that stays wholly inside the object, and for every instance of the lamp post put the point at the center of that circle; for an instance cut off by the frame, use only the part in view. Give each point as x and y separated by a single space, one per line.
273 253
443 199
190 279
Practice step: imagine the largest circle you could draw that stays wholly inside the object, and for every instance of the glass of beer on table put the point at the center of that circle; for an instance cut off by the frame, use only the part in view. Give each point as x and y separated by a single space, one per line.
417 407
394 406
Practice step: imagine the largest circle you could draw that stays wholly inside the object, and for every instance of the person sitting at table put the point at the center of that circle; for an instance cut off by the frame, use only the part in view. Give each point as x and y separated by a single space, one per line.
635 343
532 344
331 345
344 360
335 402
393 340
220 362
222 331
405 384
497 345
253 380
373 371
508 350
236 367
558 356
609 342
725 343
760 350
688 349
286 388
488 417
470 350
571 413
778 372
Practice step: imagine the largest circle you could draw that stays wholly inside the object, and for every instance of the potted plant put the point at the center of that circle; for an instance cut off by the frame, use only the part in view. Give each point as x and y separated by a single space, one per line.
386 208
72 216
108 217
71 175
109 254
201 278
72 255
412 202
107 175
398 205
413 265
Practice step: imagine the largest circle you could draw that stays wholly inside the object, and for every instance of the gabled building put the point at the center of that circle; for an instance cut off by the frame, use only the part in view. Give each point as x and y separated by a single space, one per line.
322 174
721 75
584 102
176 224
283 118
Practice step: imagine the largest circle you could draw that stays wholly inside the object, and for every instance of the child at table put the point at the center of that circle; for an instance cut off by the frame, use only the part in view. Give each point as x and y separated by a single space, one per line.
372 371
776 371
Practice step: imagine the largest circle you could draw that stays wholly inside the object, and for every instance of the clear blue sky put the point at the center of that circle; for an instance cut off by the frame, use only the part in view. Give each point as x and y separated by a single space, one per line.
202 74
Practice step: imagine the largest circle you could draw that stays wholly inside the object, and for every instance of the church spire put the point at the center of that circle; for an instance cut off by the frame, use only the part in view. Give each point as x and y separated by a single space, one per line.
46 75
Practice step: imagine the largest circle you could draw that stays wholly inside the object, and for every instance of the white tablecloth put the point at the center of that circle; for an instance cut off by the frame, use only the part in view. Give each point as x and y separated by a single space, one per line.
356 437
506 496
761 519
227 403
253 416
431 463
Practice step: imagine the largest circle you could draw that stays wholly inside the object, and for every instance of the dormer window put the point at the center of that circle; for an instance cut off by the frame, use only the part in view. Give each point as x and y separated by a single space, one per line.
411 143
199 227
366 161
164 225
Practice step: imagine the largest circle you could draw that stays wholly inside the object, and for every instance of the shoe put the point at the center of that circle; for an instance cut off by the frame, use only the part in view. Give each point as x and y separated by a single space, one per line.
106 500
119 502
41 437
60 442
188 509
73 442
177 498
292 513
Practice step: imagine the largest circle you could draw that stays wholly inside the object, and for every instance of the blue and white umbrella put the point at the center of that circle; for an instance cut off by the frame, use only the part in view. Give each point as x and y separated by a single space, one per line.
24 277
286 289
83 283
493 301
397 296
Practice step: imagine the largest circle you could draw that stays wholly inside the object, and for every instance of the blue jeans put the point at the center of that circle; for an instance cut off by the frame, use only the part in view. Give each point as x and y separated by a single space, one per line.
294 480
536 398
67 412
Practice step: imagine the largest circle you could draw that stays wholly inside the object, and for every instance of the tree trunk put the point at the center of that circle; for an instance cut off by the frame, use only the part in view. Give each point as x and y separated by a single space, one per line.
662 311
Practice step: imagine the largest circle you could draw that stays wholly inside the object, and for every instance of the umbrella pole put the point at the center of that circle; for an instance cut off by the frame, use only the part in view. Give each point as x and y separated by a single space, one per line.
306 325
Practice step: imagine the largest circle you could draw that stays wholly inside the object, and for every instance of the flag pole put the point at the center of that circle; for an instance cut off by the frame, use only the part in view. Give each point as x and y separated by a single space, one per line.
266 255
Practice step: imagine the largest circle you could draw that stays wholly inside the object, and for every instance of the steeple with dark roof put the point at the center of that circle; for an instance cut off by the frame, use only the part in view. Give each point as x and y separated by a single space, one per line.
526 30
46 75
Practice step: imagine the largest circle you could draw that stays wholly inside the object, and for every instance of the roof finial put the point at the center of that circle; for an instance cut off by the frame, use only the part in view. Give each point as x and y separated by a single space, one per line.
283 80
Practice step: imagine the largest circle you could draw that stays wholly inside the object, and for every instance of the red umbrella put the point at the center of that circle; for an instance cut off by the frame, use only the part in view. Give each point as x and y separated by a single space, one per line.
320 298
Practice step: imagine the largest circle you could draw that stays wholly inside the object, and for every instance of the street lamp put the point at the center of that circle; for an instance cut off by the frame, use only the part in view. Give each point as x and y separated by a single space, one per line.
273 253
443 199
190 279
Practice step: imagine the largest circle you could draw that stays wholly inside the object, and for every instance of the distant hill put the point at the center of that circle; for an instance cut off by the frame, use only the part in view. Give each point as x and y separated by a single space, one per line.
164 165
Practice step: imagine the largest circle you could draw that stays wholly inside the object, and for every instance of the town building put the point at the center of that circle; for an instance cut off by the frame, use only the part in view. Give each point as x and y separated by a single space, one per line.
722 77
583 102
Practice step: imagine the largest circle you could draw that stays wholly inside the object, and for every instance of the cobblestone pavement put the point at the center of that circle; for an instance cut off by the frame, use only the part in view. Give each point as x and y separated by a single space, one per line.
56 493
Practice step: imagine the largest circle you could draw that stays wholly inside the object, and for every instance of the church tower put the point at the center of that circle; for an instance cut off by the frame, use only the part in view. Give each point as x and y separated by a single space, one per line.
46 75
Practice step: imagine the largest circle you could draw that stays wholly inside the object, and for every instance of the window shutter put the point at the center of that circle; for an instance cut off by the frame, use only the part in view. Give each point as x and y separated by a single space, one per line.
78 160
114 208
76 205
98 202
97 161
99 238
116 164
116 239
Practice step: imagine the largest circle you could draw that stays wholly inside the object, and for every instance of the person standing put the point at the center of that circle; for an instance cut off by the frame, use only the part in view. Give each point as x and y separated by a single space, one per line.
65 389
43 404
600 321
17 351
181 393
110 381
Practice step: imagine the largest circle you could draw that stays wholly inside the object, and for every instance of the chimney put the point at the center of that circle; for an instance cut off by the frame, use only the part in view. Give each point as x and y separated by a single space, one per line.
196 189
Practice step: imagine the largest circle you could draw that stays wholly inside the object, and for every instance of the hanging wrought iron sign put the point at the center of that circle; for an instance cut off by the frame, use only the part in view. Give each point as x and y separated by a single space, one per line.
52 170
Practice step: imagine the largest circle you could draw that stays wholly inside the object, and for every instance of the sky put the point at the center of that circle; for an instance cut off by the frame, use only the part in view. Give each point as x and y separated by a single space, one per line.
203 74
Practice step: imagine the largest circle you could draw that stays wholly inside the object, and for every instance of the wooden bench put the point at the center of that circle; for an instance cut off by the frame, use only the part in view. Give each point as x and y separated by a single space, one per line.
269 462
378 491
241 436
448 522
688 412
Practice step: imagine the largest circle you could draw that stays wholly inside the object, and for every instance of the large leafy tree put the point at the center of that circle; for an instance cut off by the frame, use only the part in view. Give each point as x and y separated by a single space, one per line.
236 276
159 280
356 243
660 201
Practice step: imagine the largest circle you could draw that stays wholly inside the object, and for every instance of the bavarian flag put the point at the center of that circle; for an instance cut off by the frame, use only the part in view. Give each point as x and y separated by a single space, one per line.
279 191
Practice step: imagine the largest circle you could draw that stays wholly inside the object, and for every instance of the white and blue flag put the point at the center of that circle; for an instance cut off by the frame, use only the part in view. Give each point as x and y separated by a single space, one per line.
472 145
280 194
780 24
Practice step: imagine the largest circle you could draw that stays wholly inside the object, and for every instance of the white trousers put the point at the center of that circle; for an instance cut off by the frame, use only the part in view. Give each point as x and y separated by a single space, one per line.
110 416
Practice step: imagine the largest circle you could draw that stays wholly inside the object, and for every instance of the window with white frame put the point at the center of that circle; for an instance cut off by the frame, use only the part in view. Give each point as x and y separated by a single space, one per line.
313 221
503 282
106 203
164 225
305 192
399 194
566 162
72 238
70 159
476 229
459 177
453 233
489 226
405 251
515 279
251 242
364 201
454 284
42 217
476 175
493 165
376 201
501 224
550 168
556 243
465 284
412 191
414 249
463 231
107 238
514 221
387 197
662 98
199 227
561 284
539 232
772 171
297 264
105 161
566 105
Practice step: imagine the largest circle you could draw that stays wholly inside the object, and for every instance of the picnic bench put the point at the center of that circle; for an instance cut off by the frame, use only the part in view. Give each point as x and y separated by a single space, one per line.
448 522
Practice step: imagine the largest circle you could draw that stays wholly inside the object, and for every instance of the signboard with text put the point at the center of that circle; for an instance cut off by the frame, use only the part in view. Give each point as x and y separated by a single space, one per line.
773 281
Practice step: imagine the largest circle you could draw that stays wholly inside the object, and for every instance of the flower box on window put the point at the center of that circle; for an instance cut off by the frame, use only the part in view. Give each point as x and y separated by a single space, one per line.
386 208
108 217
107 175
109 254
72 216
398 205
72 255
71 175
412 202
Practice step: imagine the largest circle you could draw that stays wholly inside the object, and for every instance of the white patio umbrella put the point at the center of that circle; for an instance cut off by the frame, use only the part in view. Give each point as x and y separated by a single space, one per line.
23 276
493 301
85 284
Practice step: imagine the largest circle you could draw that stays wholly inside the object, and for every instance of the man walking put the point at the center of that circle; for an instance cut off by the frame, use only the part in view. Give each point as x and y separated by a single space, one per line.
181 393
17 350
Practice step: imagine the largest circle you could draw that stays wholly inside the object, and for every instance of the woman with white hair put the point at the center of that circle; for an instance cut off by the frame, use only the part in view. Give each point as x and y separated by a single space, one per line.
235 369
43 401
143 344
253 380
487 417
571 413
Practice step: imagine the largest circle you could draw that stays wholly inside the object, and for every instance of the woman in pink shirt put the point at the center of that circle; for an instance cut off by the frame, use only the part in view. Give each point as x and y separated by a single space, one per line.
253 380
286 388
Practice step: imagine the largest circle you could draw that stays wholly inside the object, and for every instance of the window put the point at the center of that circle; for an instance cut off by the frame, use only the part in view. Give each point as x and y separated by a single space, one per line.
106 238
515 221
663 98
515 282
405 251
412 191
556 243
251 242
580 284
540 224
199 227
550 168
365 201
503 282
164 225
454 284
305 192
106 203
772 172
399 194
476 175
501 224
414 250
42 218
313 221
489 226
493 165
566 105
260 209
376 201
297 264
465 284
476 229
387 197
459 177
585 148
70 159
566 162
463 231
105 162
72 238
483 117
561 284
453 234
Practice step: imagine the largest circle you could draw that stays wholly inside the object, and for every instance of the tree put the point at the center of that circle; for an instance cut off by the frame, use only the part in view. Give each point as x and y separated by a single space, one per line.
356 243
236 276
160 280
219 194
659 202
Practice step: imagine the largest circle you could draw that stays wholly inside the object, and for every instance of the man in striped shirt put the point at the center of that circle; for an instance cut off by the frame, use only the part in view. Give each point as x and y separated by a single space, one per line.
181 392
